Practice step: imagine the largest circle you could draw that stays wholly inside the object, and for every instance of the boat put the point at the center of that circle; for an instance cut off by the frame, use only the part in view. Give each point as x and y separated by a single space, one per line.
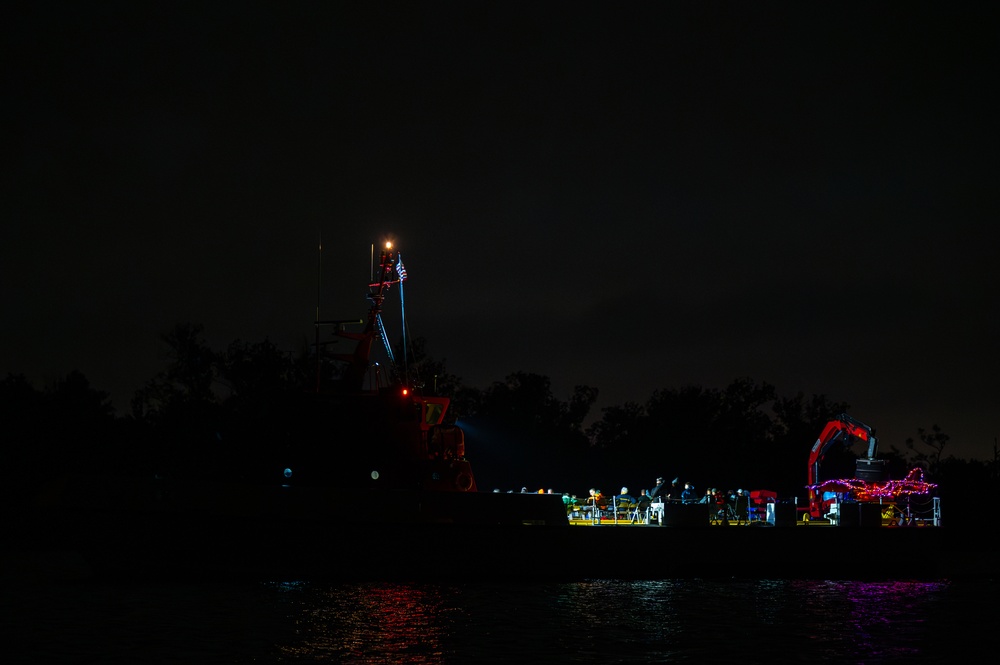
367 452
376 484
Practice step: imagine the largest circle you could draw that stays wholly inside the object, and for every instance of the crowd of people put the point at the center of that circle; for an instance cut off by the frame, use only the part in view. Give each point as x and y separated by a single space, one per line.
729 504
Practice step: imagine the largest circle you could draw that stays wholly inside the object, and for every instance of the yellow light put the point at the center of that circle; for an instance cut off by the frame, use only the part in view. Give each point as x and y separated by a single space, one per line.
388 244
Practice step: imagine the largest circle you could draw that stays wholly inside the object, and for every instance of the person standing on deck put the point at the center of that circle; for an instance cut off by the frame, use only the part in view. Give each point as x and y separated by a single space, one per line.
658 493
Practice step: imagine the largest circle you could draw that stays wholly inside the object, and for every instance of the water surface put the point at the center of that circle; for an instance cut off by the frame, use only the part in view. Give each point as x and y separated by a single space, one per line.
597 621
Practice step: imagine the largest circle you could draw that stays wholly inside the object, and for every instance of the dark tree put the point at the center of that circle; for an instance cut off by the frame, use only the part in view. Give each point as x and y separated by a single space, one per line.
534 438
797 424
180 407
67 428
934 443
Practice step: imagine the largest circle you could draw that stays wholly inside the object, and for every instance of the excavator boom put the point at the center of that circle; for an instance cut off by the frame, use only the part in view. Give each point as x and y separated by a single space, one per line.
842 428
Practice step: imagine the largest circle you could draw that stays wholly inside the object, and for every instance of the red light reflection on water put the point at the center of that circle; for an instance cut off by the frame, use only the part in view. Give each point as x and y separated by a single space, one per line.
599 621
387 623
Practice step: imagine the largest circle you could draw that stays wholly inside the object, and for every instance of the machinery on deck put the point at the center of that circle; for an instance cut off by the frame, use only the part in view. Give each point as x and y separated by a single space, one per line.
870 489
846 430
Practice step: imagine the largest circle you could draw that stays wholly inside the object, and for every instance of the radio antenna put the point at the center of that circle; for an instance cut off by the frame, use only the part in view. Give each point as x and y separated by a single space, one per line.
319 276
319 293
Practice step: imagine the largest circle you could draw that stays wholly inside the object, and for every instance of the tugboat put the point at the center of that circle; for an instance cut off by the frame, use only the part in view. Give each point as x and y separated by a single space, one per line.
389 446
364 473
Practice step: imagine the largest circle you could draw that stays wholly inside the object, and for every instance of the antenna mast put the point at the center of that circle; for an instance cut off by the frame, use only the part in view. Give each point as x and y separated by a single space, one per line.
319 288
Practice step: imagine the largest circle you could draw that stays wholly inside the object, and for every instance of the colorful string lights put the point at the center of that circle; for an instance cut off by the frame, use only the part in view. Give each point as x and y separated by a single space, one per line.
862 490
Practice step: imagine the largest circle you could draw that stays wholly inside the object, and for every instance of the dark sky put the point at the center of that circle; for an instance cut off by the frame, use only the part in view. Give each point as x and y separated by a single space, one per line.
627 195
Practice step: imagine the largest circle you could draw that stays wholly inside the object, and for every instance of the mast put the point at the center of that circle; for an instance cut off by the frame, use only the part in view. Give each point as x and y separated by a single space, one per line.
319 283
359 361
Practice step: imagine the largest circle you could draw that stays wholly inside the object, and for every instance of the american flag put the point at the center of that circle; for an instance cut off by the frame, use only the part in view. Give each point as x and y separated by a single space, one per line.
400 270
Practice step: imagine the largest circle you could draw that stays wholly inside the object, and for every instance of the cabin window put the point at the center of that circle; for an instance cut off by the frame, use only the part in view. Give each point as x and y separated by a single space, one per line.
433 412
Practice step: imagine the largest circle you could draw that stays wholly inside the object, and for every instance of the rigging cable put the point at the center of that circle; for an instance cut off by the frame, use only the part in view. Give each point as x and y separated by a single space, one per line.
401 273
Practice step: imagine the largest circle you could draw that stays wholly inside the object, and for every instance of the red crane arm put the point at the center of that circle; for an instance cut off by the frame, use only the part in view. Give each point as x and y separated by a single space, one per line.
842 428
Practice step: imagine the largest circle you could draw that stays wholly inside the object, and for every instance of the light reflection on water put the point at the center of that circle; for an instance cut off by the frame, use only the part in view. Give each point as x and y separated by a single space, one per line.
598 621
621 621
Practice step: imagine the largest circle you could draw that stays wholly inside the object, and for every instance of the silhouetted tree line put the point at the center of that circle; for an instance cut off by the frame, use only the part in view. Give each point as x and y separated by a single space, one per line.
209 412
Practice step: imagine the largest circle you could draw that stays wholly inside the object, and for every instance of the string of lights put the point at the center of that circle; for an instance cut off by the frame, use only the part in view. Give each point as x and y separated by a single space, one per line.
862 490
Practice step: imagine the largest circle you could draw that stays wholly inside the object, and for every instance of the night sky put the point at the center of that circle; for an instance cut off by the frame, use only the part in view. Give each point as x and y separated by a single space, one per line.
632 196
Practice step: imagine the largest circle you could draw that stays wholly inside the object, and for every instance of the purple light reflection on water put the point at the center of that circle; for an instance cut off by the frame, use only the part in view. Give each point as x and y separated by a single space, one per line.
853 620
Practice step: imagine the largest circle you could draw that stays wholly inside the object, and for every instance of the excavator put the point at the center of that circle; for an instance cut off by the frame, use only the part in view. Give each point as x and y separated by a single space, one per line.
847 430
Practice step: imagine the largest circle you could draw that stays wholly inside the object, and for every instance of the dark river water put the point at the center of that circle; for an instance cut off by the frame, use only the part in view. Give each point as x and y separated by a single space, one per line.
597 621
